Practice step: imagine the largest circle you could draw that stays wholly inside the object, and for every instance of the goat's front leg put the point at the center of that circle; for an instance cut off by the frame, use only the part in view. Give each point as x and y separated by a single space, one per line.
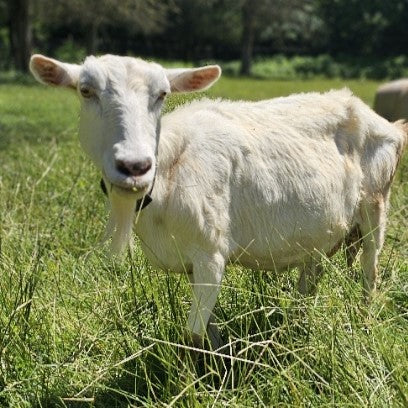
208 271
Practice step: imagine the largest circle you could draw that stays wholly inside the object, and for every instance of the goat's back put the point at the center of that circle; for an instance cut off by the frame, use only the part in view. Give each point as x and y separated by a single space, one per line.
278 177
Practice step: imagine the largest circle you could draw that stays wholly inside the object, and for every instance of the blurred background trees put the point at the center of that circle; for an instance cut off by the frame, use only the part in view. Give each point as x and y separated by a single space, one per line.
91 17
19 31
200 30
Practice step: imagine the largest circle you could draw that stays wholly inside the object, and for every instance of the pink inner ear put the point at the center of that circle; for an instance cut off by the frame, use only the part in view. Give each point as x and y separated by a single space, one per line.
202 78
49 72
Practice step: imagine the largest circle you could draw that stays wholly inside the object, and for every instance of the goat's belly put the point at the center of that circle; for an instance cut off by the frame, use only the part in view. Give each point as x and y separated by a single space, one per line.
277 250
290 223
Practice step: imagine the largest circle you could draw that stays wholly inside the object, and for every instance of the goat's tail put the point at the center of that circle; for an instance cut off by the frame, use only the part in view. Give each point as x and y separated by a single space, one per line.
403 125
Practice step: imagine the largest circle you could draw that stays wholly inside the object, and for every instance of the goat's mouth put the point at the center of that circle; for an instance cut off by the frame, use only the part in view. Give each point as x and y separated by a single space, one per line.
137 190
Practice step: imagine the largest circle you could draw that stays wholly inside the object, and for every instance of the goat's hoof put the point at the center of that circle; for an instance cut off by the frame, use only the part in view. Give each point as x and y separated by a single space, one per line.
197 341
194 340
214 337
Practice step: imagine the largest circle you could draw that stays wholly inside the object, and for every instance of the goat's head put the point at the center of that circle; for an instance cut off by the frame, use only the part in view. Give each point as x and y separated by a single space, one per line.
121 101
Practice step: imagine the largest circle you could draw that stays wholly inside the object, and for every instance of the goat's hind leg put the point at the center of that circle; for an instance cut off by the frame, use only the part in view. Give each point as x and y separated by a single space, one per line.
372 226
353 244
309 277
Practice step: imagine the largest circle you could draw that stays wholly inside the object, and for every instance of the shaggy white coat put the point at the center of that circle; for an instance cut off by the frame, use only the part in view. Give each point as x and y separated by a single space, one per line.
270 185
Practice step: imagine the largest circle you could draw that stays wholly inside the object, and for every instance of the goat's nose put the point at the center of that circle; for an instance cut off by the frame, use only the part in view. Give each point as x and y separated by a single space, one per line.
134 168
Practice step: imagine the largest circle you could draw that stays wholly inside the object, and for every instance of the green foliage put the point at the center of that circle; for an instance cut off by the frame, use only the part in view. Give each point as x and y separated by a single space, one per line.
364 27
69 51
214 29
80 329
323 66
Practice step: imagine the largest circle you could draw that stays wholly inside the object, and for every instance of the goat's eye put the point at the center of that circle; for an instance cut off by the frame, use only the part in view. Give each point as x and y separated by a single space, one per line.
86 92
161 96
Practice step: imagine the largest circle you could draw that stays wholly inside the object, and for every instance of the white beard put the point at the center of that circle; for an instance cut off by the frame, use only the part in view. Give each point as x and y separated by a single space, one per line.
120 222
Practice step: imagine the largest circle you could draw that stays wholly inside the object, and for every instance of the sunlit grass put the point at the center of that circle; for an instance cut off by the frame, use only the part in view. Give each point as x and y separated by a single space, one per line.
256 89
78 329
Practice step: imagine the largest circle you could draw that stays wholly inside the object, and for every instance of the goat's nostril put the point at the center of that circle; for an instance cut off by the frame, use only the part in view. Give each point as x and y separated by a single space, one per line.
123 167
138 168
142 167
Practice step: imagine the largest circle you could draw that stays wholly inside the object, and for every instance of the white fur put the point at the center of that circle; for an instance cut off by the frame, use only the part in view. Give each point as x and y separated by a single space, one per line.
271 184
120 222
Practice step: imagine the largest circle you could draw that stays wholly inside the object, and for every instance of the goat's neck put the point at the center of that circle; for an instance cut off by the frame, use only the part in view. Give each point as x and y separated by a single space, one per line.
172 144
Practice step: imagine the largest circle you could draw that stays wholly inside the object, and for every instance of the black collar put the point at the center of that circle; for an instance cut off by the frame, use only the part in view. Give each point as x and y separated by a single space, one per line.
140 204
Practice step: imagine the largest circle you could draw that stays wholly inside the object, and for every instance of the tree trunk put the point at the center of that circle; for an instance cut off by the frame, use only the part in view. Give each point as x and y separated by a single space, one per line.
248 35
92 39
20 33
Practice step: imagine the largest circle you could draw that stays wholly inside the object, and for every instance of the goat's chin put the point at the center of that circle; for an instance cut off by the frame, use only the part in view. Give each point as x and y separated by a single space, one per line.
136 193
120 223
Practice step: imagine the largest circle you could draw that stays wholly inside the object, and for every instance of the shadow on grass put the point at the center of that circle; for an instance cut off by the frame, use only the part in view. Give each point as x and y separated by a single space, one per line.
168 370
164 372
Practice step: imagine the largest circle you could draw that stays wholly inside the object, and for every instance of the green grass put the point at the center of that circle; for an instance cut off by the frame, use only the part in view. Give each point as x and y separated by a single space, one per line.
255 89
79 330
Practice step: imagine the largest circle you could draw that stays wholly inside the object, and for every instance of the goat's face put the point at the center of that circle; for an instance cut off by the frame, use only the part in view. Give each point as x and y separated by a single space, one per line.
121 101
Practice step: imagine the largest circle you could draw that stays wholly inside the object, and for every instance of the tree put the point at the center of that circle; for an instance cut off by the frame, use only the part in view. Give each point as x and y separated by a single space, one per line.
198 29
20 34
259 15
365 27
250 10
147 16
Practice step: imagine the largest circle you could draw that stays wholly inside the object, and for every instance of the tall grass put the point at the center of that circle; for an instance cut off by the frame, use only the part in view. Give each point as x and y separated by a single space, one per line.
78 329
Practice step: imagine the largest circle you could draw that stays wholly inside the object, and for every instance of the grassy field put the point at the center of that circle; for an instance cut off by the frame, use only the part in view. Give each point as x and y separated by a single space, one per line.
79 330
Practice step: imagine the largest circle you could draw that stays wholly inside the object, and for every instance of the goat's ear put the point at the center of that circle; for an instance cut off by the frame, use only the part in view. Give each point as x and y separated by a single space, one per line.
49 71
192 79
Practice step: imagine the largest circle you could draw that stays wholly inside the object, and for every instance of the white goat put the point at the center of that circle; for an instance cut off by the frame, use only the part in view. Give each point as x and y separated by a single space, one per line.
391 100
271 184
